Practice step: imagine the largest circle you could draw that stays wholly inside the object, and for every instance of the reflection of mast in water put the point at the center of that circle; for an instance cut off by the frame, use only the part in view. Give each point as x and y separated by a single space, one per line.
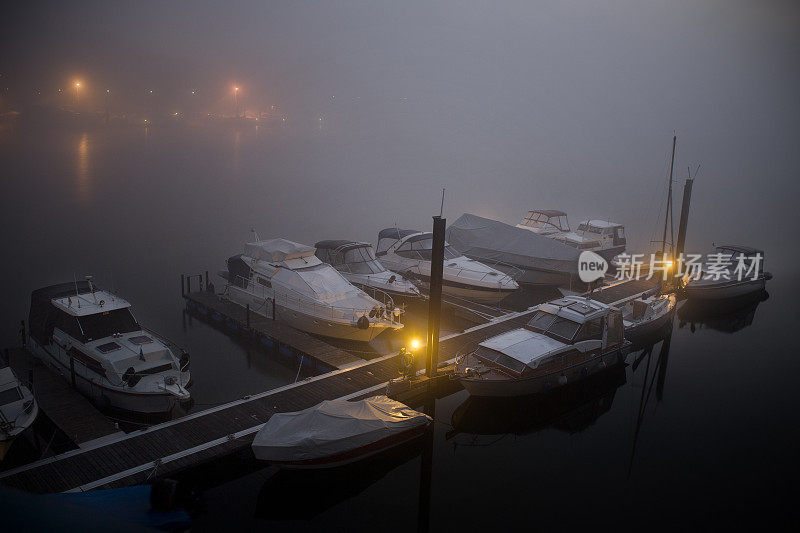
426 468
658 378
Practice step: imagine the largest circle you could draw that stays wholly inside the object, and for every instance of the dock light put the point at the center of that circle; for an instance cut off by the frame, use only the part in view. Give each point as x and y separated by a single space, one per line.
414 344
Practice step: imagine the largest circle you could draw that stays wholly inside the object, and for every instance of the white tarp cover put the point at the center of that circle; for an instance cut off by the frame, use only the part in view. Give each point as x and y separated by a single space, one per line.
493 241
333 427
277 250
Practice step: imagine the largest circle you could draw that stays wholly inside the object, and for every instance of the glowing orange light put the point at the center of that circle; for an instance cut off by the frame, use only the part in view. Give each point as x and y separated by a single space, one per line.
77 84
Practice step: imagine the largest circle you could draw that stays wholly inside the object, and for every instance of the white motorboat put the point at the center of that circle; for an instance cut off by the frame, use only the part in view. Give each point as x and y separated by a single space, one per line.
647 314
356 261
743 276
607 239
18 409
547 222
307 294
92 339
565 341
337 432
408 252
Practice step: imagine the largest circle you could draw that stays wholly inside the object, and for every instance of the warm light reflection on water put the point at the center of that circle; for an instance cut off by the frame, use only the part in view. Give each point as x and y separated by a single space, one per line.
83 171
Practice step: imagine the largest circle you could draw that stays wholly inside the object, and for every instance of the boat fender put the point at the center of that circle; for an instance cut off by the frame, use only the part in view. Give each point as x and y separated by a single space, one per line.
392 279
363 322
602 364
562 380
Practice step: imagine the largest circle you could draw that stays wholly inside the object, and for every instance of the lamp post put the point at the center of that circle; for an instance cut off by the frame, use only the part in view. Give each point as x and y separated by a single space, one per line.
236 100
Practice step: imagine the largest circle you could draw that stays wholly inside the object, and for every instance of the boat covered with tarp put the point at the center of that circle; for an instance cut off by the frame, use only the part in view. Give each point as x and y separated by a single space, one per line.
337 432
528 257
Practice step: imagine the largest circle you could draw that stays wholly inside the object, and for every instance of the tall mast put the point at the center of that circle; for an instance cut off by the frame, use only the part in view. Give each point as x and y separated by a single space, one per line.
668 215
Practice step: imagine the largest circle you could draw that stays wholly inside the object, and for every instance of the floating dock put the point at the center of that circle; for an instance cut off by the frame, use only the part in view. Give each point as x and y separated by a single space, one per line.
67 408
167 448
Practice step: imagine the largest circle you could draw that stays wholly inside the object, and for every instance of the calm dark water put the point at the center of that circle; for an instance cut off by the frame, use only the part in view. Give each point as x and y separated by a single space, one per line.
702 433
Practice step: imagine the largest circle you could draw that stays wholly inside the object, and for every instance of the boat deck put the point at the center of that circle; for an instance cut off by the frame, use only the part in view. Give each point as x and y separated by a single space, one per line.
201 437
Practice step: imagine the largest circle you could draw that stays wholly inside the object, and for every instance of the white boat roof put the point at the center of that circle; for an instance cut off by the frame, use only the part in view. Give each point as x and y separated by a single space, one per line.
86 303
7 378
288 253
576 308
525 346
601 223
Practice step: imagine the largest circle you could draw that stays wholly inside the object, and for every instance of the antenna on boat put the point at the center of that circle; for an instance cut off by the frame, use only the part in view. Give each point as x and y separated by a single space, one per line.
441 208
77 296
91 287
255 233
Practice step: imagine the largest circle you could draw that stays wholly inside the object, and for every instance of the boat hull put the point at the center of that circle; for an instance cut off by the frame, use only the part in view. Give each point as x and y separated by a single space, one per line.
724 289
105 397
354 455
542 383
309 323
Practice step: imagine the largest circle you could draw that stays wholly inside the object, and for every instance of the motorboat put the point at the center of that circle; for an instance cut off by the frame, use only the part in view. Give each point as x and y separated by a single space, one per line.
356 261
546 222
408 253
287 278
743 274
18 409
337 432
565 341
726 316
646 314
529 258
606 239
91 338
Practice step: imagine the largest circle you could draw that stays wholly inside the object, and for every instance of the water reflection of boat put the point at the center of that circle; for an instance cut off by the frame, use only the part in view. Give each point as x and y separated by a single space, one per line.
728 316
304 494
571 408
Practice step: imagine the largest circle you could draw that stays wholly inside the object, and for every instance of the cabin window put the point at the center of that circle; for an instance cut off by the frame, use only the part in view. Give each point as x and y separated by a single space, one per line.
69 325
107 323
384 245
615 332
591 330
10 395
89 362
264 282
541 321
554 326
620 233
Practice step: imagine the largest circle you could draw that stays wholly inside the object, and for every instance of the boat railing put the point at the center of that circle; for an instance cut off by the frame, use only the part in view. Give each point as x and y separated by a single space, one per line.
290 299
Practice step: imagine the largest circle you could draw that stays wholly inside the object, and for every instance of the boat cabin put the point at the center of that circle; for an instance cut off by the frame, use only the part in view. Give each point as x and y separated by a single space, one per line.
411 244
349 256
745 254
560 332
545 221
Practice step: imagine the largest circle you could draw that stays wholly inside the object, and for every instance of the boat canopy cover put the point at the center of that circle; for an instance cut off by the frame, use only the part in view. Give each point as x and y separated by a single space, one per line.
395 233
341 243
333 427
492 241
548 212
277 250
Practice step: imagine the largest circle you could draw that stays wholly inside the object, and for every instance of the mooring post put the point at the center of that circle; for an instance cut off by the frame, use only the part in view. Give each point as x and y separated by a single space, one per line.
188 284
247 319
684 222
206 279
183 285
72 370
273 309
435 305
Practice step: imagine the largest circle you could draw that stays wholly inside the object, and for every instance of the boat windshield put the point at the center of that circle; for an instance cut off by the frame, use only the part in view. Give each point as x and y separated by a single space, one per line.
10 395
422 249
591 229
105 324
362 261
487 354
554 326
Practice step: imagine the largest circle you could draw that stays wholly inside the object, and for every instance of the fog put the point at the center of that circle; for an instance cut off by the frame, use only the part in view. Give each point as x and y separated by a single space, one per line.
509 106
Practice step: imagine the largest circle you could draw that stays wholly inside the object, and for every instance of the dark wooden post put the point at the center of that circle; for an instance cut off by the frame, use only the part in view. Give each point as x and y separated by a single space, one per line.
435 305
72 370
206 279
188 284
273 309
183 285
684 222
248 317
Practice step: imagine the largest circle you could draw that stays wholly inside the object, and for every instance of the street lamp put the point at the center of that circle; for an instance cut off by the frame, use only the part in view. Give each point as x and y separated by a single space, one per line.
236 100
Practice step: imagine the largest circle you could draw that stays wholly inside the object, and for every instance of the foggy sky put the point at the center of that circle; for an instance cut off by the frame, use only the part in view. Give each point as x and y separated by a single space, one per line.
511 105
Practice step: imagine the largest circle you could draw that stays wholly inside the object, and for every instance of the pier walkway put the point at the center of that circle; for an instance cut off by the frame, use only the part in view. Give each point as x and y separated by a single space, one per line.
197 438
